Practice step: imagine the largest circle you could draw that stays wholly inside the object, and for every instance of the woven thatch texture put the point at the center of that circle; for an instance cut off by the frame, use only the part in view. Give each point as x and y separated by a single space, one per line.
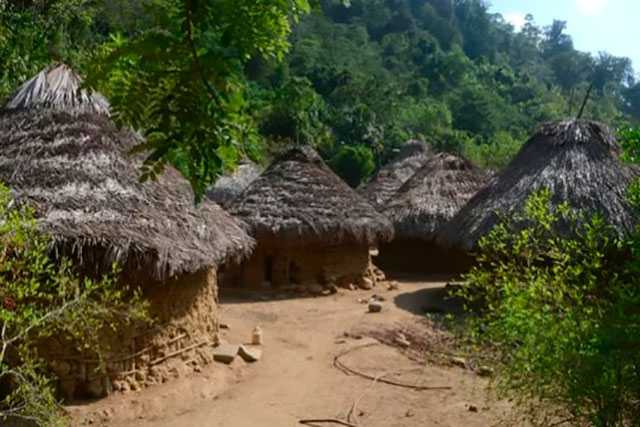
68 160
390 178
229 186
433 195
577 160
299 200
58 88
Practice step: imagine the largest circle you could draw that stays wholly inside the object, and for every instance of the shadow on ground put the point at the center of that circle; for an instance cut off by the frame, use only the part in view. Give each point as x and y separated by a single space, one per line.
430 300
420 278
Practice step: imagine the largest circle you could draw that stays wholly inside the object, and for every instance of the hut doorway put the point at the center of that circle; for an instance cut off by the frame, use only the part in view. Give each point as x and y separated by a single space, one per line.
279 270
268 267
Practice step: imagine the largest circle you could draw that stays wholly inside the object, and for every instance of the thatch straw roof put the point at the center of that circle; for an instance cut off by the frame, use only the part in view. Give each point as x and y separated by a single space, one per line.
433 195
383 185
60 153
229 186
300 200
577 160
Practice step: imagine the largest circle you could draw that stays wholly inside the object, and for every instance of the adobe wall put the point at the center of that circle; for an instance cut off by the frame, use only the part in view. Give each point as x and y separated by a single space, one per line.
179 340
277 266
420 256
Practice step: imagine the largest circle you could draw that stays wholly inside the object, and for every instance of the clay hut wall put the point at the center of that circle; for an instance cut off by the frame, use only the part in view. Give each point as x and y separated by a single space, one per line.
178 340
278 265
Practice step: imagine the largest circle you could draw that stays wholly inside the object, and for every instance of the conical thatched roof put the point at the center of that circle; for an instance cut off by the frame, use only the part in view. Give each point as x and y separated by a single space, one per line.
298 198
433 195
229 186
383 185
60 153
577 160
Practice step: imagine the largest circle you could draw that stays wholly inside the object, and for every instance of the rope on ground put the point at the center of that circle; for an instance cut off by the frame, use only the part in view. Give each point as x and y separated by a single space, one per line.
354 406
350 371
326 420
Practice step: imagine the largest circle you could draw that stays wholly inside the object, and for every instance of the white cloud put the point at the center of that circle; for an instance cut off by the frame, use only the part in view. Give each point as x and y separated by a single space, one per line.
516 19
591 7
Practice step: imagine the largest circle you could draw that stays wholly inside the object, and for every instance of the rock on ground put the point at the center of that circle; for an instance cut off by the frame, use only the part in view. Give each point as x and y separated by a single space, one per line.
375 306
225 353
250 353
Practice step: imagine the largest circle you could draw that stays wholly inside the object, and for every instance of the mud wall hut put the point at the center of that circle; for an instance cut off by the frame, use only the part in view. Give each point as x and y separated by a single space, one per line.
577 160
387 180
423 204
309 225
60 153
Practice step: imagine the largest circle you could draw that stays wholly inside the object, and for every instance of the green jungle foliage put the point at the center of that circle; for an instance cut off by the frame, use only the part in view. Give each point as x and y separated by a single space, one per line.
561 314
42 298
210 82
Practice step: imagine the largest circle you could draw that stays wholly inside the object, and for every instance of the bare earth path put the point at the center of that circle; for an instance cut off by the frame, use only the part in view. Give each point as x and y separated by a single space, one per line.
296 378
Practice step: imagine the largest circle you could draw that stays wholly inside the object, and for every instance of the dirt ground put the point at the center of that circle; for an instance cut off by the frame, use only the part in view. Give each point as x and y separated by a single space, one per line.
296 378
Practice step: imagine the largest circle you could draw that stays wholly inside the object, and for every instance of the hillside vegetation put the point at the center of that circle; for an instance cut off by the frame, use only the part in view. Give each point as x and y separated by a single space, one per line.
360 77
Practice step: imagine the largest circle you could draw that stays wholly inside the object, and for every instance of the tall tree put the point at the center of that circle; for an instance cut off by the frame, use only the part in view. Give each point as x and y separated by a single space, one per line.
181 82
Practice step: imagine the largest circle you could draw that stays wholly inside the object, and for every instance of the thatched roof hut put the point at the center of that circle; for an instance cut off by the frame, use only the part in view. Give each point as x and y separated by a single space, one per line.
311 227
299 198
577 160
387 180
227 187
433 195
60 152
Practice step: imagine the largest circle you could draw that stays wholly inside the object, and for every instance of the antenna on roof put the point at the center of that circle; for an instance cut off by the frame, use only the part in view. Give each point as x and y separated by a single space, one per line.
584 103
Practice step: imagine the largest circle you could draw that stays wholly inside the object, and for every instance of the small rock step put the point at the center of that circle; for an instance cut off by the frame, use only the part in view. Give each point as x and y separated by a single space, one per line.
250 353
225 353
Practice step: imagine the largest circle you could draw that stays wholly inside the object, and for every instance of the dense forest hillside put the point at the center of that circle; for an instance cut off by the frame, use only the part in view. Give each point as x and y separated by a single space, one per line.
382 71
360 77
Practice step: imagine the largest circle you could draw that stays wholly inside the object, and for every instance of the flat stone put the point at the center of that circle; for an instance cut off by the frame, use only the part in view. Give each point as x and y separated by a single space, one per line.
225 353
250 353
375 306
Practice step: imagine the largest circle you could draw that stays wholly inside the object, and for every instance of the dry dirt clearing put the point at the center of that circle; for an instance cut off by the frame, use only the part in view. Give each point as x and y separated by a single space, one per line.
296 378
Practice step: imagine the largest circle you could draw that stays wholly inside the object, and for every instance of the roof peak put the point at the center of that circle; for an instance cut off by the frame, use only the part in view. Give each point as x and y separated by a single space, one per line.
303 153
413 147
576 131
57 87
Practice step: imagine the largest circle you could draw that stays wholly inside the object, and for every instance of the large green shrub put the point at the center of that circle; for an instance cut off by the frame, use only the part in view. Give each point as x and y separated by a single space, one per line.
353 163
562 314
40 298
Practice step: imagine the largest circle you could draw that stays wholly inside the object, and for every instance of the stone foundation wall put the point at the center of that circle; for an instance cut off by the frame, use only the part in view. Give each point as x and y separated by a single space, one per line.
179 340
279 266
419 256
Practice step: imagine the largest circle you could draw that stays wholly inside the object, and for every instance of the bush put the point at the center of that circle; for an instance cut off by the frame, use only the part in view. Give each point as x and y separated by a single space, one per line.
562 313
353 163
40 298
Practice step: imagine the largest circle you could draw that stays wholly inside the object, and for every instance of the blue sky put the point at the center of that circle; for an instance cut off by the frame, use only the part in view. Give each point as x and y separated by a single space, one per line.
595 25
